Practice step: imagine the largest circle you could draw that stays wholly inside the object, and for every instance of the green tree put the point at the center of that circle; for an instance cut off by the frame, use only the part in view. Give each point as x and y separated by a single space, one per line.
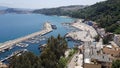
56 48
26 60
116 64
62 62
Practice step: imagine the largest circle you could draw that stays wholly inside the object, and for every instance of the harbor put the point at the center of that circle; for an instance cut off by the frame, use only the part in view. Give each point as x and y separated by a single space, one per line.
32 44
36 39
8 45
22 44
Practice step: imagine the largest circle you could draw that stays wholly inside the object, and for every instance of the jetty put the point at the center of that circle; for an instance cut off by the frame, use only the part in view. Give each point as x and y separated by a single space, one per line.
9 44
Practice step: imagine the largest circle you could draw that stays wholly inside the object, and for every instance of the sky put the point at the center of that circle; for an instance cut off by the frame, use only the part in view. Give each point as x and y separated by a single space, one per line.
37 4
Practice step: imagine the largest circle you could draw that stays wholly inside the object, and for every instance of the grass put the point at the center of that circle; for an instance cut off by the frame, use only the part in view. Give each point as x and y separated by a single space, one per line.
71 54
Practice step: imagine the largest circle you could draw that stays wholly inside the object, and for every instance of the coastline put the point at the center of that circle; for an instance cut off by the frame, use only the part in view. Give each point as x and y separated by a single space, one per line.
66 16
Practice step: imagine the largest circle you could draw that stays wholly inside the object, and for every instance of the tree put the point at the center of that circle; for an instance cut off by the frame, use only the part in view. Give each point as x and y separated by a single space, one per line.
62 62
51 56
105 40
116 64
26 60
97 38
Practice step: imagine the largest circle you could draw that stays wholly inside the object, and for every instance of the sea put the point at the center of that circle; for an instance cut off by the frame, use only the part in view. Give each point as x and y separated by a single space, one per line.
13 26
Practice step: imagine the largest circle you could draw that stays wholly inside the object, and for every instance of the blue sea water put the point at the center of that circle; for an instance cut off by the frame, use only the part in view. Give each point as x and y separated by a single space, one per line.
13 26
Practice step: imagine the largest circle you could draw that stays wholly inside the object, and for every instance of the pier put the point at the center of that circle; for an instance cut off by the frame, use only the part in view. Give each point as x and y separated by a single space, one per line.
9 44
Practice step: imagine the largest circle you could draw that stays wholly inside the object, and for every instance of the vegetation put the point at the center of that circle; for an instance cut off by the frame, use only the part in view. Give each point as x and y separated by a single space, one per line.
65 10
106 14
62 62
56 48
26 60
116 64
105 40
97 38
51 57
73 51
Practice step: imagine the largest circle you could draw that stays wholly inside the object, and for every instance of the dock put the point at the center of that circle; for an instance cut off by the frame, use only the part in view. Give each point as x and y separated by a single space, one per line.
9 44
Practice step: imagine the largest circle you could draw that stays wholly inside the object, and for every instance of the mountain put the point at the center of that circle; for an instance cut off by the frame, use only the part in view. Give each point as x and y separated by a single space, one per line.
72 7
15 10
4 10
64 10
106 14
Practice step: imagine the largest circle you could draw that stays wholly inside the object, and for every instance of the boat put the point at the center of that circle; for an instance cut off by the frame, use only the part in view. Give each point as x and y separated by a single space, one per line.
22 44
42 47
54 26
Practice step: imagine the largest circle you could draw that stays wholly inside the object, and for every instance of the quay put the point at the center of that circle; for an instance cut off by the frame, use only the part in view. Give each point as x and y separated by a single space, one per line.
9 44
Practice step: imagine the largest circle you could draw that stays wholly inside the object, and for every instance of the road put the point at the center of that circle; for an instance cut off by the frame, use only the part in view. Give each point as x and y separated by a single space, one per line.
72 63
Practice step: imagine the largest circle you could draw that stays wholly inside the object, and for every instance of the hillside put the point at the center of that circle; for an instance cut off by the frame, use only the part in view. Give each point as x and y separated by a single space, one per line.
64 10
106 14
14 10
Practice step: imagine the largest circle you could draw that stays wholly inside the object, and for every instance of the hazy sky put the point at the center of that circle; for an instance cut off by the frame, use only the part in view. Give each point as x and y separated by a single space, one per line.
45 3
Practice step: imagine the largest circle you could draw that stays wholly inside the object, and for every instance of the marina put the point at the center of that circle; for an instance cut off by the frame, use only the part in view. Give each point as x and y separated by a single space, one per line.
19 52
36 39
22 44
30 28
60 34
9 44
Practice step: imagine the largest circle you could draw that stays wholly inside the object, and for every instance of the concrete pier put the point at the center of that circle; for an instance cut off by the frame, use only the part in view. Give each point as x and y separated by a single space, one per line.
9 44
